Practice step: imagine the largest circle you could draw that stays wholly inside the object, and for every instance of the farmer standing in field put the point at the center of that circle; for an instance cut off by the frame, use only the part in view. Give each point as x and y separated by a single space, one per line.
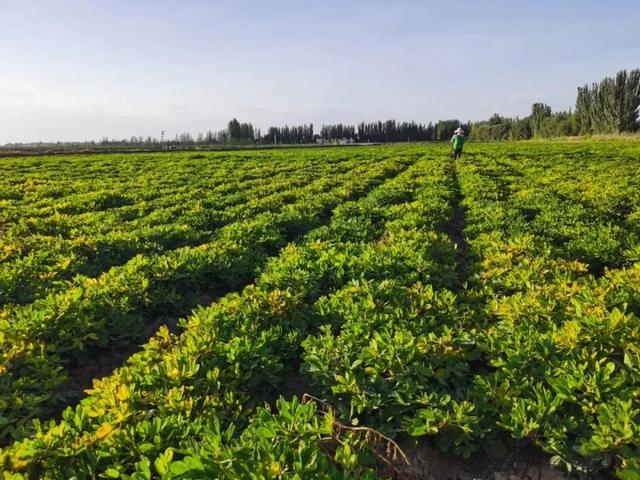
458 142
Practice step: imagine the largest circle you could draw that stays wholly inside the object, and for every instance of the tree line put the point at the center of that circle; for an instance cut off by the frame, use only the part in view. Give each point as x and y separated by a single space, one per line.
373 132
238 133
609 106
391 131
606 107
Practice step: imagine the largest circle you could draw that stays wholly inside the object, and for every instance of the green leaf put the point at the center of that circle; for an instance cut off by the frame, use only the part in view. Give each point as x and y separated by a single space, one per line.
112 473
179 468
628 474
163 461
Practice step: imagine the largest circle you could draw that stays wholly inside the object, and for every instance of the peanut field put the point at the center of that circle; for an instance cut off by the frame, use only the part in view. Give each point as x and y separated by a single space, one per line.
162 315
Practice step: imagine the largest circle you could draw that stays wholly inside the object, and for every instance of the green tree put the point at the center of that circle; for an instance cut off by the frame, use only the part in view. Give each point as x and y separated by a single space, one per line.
609 106
539 111
521 129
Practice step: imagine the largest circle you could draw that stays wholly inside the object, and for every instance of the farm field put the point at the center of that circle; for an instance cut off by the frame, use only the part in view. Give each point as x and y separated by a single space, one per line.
163 315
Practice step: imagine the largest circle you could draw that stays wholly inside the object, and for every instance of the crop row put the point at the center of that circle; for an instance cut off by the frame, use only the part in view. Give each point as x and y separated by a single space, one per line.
526 333
114 181
42 341
541 345
558 328
35 264
73 187
172 394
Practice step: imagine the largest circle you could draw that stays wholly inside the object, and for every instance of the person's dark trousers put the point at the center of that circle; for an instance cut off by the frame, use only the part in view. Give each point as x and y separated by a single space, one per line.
457 153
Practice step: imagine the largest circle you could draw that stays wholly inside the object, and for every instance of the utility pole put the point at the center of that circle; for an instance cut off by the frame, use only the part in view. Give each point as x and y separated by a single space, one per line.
162 140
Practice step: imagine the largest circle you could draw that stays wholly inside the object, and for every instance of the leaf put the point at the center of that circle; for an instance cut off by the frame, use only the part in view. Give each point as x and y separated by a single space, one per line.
112 473
104 430
179 468
163 461
628 474
123 392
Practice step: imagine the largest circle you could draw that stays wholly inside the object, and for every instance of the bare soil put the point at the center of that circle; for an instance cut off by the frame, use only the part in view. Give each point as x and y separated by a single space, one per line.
429 463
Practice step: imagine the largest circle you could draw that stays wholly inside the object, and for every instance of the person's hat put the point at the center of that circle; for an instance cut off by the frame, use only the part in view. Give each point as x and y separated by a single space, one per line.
459 130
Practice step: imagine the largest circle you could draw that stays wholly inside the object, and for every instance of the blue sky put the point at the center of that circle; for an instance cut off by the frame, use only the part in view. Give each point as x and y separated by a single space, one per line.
75 70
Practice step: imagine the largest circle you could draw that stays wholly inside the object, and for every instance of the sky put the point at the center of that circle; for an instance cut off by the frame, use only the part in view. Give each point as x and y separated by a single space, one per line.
83 70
